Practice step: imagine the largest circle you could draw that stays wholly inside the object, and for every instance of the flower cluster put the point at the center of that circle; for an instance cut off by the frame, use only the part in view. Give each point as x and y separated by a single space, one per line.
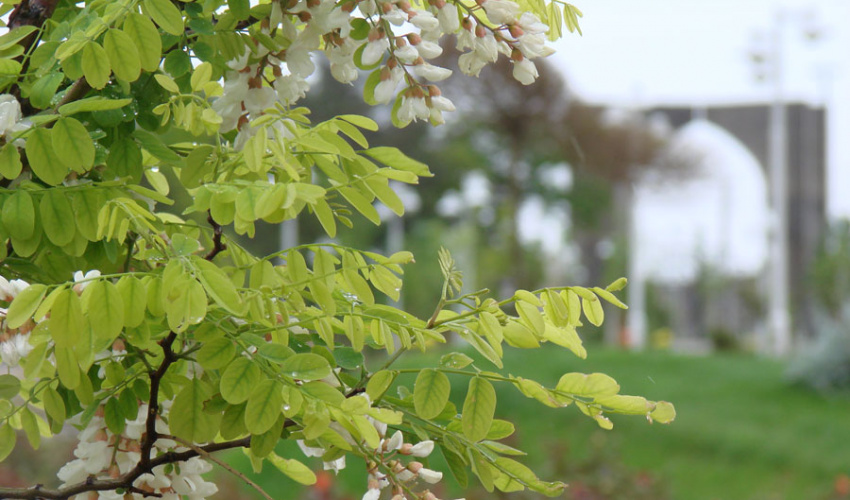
100 453
392 37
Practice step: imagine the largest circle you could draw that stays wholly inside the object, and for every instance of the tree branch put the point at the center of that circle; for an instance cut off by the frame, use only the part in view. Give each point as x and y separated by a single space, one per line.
122 482
150 437
218 245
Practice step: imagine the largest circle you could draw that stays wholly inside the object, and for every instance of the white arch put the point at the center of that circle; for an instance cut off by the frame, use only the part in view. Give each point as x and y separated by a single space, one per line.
717 215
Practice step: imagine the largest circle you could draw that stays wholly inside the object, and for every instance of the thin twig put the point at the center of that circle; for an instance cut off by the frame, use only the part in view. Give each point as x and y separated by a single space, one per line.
218 245
227 467
150 437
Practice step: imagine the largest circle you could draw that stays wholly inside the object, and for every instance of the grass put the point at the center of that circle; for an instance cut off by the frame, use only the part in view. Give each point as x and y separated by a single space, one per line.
741 433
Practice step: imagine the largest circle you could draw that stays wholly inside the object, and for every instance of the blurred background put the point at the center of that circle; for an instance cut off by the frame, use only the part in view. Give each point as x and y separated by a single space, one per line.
701 149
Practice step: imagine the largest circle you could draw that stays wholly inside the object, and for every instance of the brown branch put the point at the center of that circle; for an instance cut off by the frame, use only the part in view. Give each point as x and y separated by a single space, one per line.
150 437
218 245
223 464
29 13
122 482
76 91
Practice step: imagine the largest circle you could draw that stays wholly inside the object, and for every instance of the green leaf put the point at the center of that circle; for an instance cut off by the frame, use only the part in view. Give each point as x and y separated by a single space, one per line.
241 9
8 438
609 297
500 429
125 158
95 65
166 15
44 89
10 161
478 409
306 366
200 77
264 406
393 157
664 412
30 424
186 305
72 144
123 55
216 353
113 417
594 385
378 384
188 419
238 379
593 310
24 305
133 293
617 285
9 386
105 309
455 360
293 468
145 36
66 319
97 103
218 286
19 214
54 406
43 159
348 358
57 218
66 365
431 393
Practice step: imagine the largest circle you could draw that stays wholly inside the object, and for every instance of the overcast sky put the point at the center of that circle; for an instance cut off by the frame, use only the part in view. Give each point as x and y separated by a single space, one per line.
649 52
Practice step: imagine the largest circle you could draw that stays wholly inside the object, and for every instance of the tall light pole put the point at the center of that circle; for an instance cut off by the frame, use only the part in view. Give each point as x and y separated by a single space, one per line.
779 318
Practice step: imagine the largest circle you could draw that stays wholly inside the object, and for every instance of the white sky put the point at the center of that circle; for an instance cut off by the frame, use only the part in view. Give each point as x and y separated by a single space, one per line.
648 52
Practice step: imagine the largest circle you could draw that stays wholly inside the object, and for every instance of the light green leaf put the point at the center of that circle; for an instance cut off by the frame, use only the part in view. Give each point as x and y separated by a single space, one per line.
455 360
19 214
166 15
264 406
8 438
43 159
57 218
9 386
378 384
663 413
123 55
609 297
218 285
66 365
188 419
145 36
133 293
593 310
72 144
66 319
216 353
431 393
201 75
54 406
478 409
105 309
167 83
186 305
10 161
24 305
306 366
95 65
293 468
238 379
594 385
30 424
393 157
97 103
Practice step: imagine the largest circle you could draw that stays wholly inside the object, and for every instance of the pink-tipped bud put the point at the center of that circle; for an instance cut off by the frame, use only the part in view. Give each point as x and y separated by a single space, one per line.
516 31
414 38
415 467
480 31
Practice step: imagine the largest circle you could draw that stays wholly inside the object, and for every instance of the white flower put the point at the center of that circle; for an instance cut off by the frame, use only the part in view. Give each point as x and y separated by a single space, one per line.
10 289
258 100
428 50
422 448
407 53
10 113
335 465
424 20
14 349
298 58
449 19
291 88
412 109
374 51
431 72
501 11
430 476
525 71
471 63
372 494
309 450
84 280
394 443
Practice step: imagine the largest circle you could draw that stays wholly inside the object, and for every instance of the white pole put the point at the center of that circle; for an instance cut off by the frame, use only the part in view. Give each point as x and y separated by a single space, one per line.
636 318
779 318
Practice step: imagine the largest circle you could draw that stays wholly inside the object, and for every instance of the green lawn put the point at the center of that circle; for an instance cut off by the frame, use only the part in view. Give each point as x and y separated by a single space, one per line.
741 431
